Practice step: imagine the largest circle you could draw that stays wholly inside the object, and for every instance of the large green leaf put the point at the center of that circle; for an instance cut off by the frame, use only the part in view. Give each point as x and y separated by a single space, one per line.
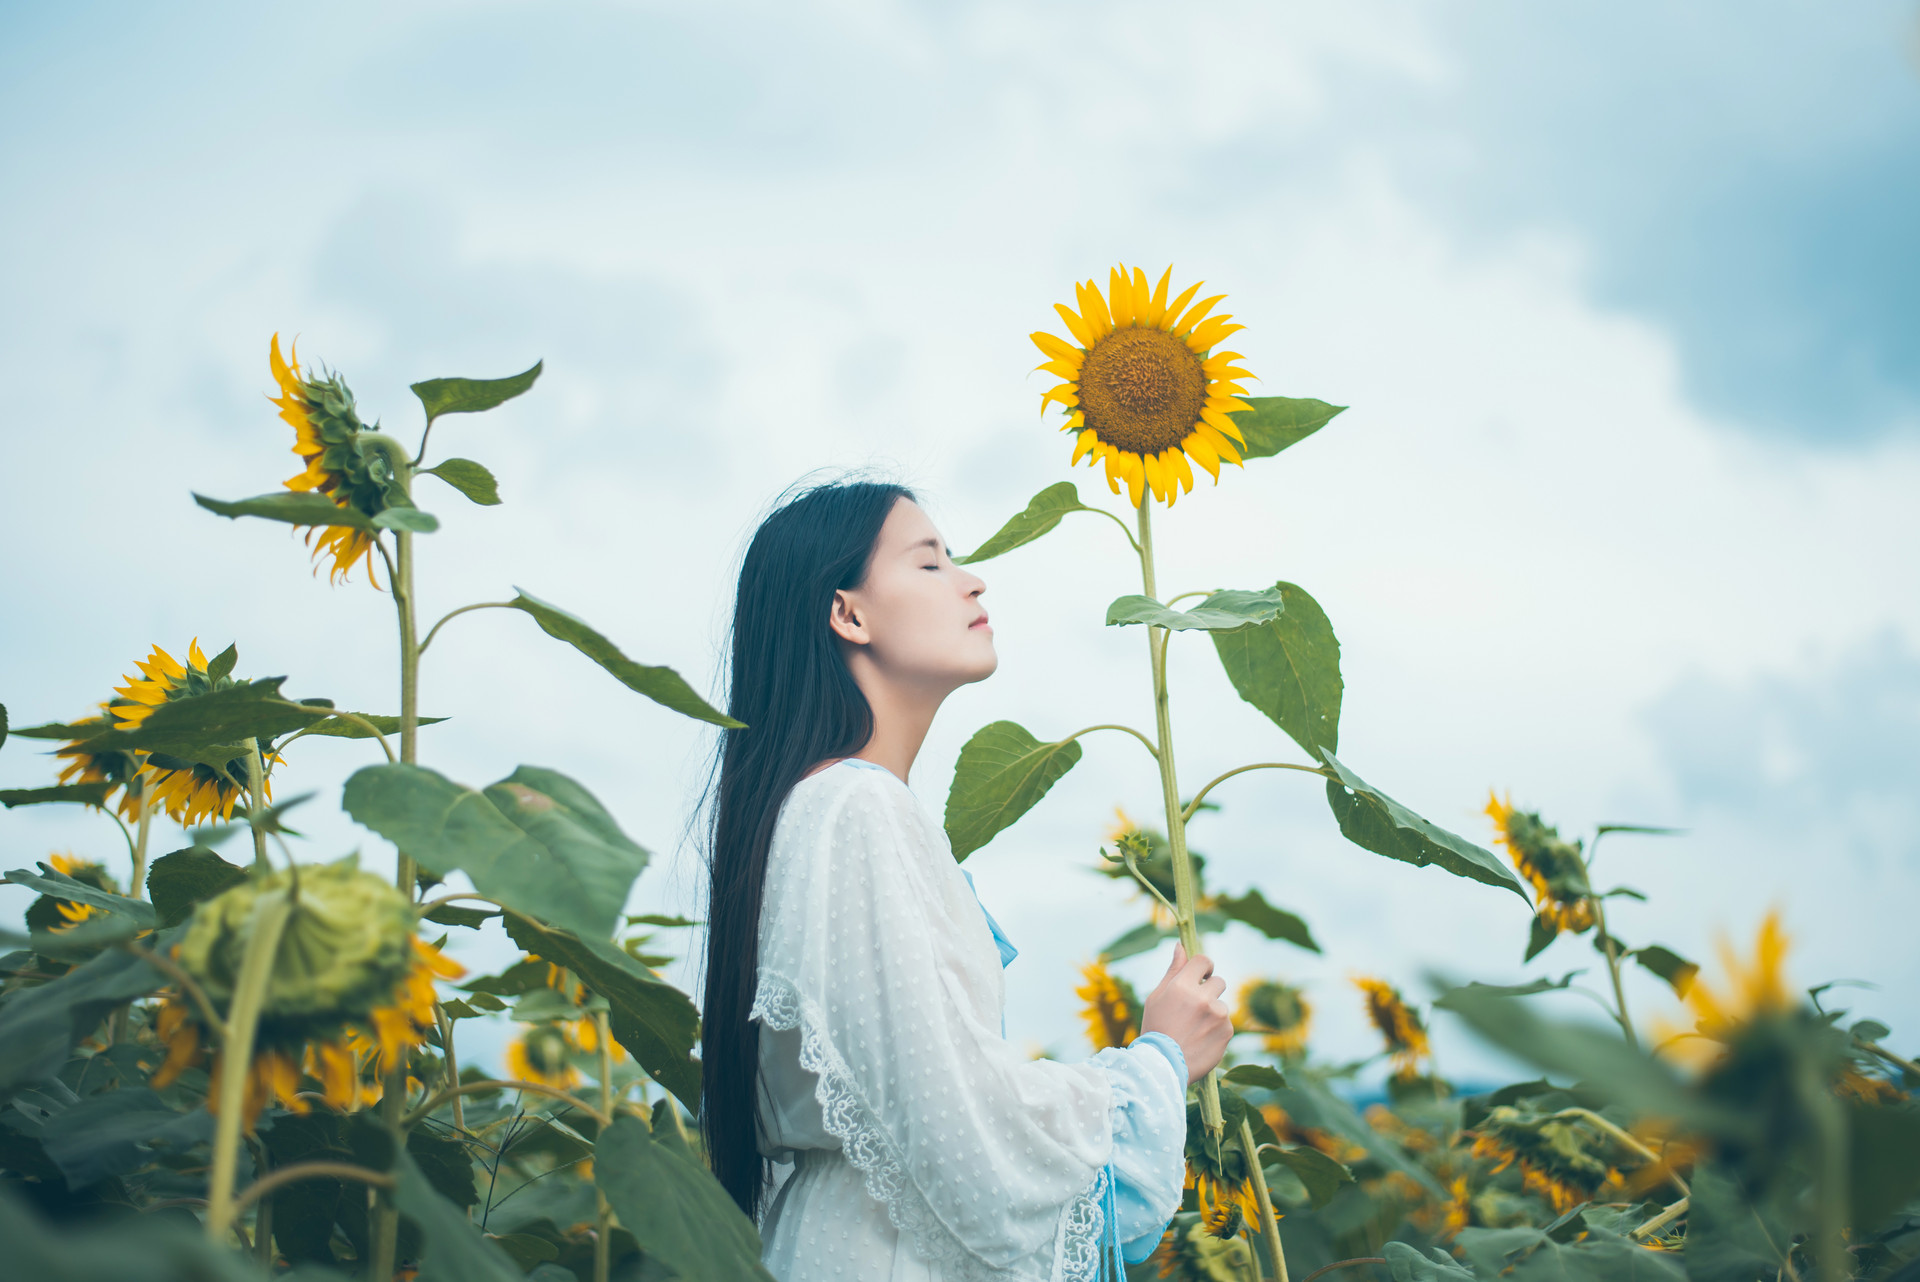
40 1026
295 507
1676 970
1885 1159
1276 422
213 727
91 728
340 728
674 1208
60 886
118 1247
536 841
453 1249
1260 1076
1374 821
86 794
1310 1102
1449 1000
470 478
1406 1264
1003 771
1290 670
1229 611
1253 909
107 1134
179 880
1042 513
1321 1174
657 1023
661 684
471 395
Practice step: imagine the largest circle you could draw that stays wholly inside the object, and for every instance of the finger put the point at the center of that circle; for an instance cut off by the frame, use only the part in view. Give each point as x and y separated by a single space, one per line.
1179 958
1199 968
1214 986
1219 1010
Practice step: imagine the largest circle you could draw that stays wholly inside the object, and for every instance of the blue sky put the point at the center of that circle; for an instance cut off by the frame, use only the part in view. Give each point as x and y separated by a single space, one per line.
1623 297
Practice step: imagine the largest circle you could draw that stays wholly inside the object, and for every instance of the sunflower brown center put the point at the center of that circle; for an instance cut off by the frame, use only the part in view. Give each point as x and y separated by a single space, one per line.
1142 390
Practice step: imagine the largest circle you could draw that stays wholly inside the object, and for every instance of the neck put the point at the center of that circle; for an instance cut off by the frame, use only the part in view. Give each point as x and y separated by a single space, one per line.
901 717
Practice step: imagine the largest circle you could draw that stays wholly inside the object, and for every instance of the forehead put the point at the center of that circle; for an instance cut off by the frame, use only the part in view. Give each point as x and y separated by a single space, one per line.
907 526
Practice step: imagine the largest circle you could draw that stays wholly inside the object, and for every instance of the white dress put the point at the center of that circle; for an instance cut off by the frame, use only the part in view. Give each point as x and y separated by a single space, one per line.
915 1142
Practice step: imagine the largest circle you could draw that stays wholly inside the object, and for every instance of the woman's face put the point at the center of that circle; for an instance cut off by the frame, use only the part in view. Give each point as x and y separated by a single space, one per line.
918 617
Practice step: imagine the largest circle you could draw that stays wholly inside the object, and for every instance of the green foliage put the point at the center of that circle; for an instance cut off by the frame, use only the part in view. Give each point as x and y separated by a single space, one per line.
676 1210
291 506
1374 821
1222 612
40 1026
1003 771
536 841
178 881
1275 923
1042 513
472 395
85 794
1289 668
470 478
1275 422
661 684
1321 1175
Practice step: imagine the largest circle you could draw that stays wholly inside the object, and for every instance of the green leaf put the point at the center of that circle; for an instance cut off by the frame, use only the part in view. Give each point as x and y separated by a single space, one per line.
1142 938
3 725
106 1134
178 881
661 684
1290 670
1528 989
526 1249
1042 513
454 915
1406 1264
1253 909
410 519
1228 611
222 664
86 794
675 1208
1540 934
453 1248
1676 970
61 886
470 478
1262 1076
521 977
1604 829
1322 1175
1002 772
39 1027
1312 1103
212 727
657 1023
339 727
1885 1159
1374 821
295 507
662 919
536 841
472 395
1275 422
88 729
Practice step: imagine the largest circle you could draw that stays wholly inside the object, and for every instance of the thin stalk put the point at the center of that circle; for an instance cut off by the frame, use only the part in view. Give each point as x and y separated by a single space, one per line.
603 1213
1627 1141
1612 952
1148 743
1185 892
1876 1049
263 1217
256 805
364 724
308 1171
452 1064
393 1099
1269 1222
1198 797
1673 1212
172 969
236 1054
434 631
145 825
527 1088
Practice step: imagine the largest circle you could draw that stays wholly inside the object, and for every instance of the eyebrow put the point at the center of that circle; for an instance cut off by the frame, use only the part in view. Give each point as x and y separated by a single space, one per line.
933 543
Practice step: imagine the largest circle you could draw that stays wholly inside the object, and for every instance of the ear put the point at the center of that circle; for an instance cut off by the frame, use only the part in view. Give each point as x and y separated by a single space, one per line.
844 617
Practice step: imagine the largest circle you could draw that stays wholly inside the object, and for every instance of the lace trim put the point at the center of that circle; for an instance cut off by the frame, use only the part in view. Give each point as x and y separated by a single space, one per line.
850 1119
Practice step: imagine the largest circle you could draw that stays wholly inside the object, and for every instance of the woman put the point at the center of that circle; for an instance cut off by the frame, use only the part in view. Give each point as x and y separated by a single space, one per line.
853 1025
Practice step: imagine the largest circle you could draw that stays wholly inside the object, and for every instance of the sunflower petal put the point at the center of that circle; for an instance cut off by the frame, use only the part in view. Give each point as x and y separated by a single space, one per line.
1079 328
1196 314
1204 454
1210 333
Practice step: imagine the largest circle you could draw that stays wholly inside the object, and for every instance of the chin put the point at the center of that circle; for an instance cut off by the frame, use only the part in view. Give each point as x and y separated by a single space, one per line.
984 666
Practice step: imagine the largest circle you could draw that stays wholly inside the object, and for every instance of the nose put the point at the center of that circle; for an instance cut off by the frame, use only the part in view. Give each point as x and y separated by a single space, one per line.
974 584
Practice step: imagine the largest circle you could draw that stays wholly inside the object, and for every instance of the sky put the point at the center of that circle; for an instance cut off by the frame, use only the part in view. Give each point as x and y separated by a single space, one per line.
1622 298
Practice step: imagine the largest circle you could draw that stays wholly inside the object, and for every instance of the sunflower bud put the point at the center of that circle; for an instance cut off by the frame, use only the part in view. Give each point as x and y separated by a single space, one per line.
347 945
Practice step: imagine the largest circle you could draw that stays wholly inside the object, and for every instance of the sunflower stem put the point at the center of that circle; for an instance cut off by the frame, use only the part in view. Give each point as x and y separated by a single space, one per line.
1612 952
1185 893
1269 1222
236 1054
393 1098
256 809
145 824
1193 806
603 1213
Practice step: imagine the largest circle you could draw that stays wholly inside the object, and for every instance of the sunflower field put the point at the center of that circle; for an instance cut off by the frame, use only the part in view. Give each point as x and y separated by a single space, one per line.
246 1064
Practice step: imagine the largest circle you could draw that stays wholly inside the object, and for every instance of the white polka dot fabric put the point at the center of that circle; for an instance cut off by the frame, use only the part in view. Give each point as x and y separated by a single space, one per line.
921 1144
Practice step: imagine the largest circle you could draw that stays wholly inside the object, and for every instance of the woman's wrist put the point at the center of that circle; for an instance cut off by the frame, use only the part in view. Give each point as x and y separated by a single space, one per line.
1169 1048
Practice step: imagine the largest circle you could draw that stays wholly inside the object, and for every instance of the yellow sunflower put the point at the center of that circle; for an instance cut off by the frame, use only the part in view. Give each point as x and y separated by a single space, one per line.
1751 994
1144 391
1280 1011
1112 1011
89 760
189 791
540 1055
68 913
1398 1025
333 444
1555 868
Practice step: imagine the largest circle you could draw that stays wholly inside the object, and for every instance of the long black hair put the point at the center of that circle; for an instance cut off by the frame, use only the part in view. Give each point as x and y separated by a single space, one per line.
789 683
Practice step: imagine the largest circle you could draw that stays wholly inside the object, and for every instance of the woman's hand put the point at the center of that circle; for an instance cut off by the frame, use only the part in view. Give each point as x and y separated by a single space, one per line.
1187 1007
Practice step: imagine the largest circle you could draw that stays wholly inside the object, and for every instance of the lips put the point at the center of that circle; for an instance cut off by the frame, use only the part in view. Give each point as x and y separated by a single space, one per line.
980 622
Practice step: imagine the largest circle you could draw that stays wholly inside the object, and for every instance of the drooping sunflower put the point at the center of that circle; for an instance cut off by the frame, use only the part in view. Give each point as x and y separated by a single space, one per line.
93 759
541 1055
1555 868
351 464
51 913
189 791
351 994
1279 1011
1563 1160
1112 1010
1144 391
1398 1025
